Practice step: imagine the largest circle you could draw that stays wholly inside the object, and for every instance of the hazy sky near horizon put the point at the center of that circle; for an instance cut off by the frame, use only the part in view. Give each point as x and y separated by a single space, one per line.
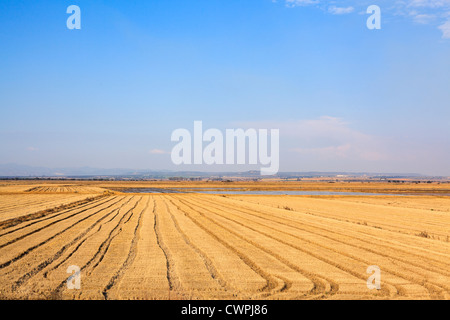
344 97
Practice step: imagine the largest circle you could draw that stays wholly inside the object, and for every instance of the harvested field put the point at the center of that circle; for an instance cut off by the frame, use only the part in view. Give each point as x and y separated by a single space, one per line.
65 189
17 205
196 246
37 187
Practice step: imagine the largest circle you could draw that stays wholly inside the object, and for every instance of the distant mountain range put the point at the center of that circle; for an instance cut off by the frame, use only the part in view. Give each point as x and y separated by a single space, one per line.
16 170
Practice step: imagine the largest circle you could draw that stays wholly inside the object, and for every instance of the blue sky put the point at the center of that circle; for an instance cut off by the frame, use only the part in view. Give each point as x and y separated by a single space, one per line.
344 97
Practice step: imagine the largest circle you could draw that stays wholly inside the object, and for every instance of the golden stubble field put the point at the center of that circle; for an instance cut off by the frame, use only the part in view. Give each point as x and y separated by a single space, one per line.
200 246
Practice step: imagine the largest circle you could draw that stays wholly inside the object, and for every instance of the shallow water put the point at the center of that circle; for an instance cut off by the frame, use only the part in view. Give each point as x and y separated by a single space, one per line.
258 192
151 190
298 193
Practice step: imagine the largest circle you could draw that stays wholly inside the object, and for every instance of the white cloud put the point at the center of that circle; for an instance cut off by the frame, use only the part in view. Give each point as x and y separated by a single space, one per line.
158 151
426 11
298 3
445 28
421 11
327 137
429 3
332 144
340 10
32 149
423 18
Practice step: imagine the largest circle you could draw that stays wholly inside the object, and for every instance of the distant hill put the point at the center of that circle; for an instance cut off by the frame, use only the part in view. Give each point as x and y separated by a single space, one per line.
17 170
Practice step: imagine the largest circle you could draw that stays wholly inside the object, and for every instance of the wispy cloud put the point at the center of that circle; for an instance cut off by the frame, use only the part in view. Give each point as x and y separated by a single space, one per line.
298 3
445 28
435 12
327 137
32 149
429 11
329 143
340 10
423 18
158 151
427 3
